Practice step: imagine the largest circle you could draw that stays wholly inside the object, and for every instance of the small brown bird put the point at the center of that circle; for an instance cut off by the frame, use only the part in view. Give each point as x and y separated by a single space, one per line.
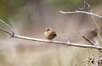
49 33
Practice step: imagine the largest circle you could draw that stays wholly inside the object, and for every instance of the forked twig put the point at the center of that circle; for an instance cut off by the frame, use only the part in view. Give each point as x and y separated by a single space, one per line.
9 27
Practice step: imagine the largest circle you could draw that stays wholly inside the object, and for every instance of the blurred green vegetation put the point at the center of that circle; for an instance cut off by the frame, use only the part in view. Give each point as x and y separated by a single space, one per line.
2 58
8 8
72 4
66 4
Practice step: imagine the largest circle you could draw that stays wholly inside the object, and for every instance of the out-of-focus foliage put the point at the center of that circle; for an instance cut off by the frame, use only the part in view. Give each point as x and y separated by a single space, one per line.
65 4
71 4
9 7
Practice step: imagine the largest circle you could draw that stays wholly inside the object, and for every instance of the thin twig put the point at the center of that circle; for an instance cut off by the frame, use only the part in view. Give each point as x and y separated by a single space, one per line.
6 31
88 40
85 37
83 12
7 26
98 28
85 3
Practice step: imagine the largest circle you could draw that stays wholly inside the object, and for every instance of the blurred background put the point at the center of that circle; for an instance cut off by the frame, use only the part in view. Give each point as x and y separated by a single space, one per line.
31 17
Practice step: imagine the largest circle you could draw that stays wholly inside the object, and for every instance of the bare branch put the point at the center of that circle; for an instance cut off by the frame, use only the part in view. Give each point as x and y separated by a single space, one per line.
51 41
88 40
83 12
7 25
59 42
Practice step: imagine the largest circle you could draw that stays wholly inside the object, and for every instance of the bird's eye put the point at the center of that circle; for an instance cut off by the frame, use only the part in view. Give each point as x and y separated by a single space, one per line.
47 29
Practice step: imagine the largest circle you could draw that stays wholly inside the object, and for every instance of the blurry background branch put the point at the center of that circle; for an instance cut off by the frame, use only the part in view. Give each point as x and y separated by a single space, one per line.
84 12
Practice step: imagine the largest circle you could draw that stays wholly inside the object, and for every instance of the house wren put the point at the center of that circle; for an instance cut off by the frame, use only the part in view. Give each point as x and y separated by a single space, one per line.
49 33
